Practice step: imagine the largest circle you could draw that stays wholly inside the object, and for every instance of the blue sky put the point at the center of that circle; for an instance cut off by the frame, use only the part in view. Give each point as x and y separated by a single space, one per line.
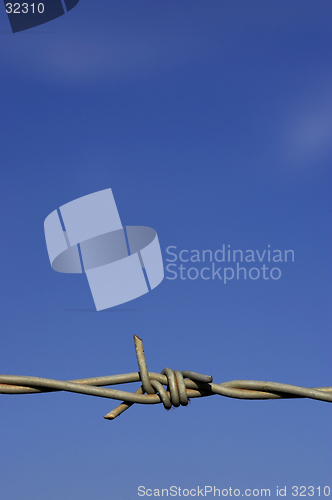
212 123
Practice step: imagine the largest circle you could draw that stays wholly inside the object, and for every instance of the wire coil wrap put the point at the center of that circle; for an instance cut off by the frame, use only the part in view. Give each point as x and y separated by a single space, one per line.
180 386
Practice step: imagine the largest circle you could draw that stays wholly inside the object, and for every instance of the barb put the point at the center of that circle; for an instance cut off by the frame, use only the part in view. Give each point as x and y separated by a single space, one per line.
180 386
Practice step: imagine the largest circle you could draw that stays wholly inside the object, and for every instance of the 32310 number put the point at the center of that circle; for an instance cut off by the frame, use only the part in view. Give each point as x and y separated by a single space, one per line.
24 8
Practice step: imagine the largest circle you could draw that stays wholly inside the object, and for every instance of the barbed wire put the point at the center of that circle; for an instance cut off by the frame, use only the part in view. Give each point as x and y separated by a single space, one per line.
180 386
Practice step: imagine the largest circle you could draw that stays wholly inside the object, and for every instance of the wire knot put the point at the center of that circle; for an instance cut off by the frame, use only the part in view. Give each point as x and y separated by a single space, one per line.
177 391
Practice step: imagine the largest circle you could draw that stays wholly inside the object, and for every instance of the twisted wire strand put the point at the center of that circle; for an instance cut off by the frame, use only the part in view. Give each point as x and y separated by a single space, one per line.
180 386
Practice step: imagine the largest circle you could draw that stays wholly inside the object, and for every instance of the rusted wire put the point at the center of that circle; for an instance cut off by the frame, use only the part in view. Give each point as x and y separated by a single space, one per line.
180 386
